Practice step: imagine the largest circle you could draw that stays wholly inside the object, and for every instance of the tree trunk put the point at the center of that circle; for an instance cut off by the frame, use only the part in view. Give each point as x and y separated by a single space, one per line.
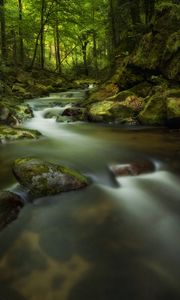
3 32
42 35
112 33
84 51
94 41
14 48
21 44
149 8
58 55
135 11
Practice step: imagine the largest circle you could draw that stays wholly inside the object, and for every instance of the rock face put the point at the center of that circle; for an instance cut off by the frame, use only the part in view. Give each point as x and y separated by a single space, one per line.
10 205
12 134
43 178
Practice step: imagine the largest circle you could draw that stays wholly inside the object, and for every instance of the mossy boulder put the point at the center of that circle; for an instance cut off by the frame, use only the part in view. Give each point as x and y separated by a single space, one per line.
173 112
154 112
121 96
110 111
10 205
43 178
12 113
105 91
8 133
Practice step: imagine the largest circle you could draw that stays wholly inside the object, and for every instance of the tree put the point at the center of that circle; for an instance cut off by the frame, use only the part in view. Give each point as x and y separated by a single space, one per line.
3 32
21 44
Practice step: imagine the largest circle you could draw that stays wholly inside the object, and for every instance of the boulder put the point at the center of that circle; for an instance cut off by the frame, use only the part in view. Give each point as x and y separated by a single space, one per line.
8 133
43 178
10 205
12 113
76 113
154 112
117 112
132 169
173 112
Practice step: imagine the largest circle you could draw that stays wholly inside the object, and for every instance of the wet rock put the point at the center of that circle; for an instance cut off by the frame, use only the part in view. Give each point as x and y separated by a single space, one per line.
64 119
43 178
76 113
10 206
8 133
132 169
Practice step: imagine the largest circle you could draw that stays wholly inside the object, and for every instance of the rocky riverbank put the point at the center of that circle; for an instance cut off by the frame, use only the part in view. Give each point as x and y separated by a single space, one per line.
144 88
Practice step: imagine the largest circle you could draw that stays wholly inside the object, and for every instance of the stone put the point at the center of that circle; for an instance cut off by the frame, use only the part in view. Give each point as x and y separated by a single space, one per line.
132 169
8 134
173 112
10 206
154 112
76 113
43 178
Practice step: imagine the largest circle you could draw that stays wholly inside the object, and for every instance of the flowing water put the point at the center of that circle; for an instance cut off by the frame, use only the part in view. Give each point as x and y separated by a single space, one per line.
116 239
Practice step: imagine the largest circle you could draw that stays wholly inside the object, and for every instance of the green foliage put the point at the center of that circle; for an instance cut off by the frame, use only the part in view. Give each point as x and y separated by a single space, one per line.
77 36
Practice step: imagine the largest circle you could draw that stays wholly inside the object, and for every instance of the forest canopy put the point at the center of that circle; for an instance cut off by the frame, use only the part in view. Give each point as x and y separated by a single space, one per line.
72 36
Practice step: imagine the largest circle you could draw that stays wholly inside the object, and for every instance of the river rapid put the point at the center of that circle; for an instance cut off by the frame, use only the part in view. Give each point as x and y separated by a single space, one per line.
116 239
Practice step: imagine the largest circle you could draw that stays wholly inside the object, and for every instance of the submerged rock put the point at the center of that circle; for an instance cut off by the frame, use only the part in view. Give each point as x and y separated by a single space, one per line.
10 205
11 134
43 178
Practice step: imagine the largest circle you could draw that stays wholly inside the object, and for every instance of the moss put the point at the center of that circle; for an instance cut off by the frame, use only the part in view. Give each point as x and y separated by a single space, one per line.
11 134
110 111
142 89
44 178
154 112
173 107
73 174
121 96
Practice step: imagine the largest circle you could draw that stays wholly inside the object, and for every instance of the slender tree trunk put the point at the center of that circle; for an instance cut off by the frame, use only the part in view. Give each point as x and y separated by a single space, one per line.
84 51
135 11
94 41
58 55
3 32
50 51
39 34
14 48
21 43
42 35
112 33
149 8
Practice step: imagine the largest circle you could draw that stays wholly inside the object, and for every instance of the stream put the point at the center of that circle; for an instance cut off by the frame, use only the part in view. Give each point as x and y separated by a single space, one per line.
115 239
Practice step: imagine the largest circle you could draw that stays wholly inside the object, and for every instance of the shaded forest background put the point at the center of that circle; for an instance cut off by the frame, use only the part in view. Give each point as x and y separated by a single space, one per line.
73 37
